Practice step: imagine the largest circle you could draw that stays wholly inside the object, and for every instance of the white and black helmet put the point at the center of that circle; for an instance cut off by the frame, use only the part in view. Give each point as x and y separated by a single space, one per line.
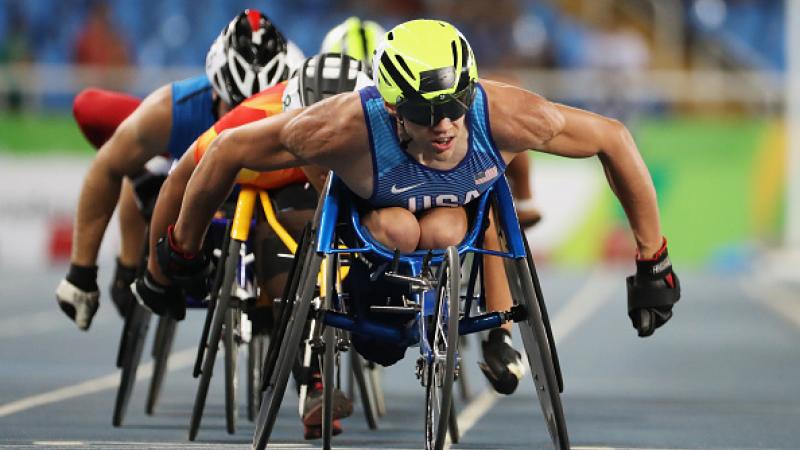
248 56
321 76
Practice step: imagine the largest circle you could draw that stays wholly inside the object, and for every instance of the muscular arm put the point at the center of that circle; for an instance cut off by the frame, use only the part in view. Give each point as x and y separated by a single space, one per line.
291 139
521 120
167 207
141 136
254 146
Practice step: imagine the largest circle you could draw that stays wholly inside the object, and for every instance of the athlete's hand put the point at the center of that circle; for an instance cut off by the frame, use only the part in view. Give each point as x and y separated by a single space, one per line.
78 295
192 272
160 299
652 292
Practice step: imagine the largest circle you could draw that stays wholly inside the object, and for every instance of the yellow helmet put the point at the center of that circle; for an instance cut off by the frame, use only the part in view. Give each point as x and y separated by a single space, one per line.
355 38
426 64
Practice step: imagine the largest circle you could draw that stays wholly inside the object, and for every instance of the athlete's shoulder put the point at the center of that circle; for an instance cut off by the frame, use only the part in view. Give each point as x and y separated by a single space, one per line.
328 128
190 87
520 119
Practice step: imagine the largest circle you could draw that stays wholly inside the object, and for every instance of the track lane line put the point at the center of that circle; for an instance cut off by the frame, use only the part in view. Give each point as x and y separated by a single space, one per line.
178 360
595 293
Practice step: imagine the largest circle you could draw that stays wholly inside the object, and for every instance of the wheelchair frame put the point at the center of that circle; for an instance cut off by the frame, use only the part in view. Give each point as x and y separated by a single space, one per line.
321 244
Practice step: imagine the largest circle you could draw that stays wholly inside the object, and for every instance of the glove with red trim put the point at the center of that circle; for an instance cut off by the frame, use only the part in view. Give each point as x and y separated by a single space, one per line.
191 271
652 292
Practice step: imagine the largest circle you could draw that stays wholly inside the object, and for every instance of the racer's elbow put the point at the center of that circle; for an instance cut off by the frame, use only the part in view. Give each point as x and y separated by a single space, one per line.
619 141
223 152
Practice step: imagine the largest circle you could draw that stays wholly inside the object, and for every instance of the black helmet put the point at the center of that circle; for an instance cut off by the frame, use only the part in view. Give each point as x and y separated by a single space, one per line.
247 57
320 77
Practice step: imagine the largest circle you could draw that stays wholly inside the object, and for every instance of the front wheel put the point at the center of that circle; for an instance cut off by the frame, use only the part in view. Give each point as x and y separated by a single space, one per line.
538 348
440 364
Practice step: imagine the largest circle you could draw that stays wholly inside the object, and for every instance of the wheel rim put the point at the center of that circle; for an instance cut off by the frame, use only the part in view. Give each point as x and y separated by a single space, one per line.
440 369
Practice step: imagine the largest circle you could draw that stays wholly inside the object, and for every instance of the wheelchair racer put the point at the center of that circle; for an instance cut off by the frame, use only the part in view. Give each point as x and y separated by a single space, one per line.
427 139
319 77
250 54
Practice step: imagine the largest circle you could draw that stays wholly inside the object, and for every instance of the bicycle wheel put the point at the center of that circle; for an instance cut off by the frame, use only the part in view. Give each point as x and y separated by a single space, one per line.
162 346
134 332
365 390
288 350
232 318
537 349
441 364
214 336
255 357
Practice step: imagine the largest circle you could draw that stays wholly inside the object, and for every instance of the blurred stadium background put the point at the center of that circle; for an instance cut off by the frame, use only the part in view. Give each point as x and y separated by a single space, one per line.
703 85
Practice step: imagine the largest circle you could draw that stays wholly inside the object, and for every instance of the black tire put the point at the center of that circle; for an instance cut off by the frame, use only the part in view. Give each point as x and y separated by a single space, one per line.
162 346
463 383
537 289
540 359
214 336
452 425
289 348
329 356
212 302
376 387
365 389
134 332
441 372
255 357
232 318
283 309
328 385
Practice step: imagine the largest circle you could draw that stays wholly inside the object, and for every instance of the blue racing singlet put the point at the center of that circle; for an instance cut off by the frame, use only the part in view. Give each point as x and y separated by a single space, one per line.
192 113
398 180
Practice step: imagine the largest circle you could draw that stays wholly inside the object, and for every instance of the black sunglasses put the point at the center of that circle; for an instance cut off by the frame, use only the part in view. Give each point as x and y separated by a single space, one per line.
429 112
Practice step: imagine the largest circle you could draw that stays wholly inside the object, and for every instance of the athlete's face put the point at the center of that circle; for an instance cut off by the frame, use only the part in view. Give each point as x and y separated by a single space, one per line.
438 141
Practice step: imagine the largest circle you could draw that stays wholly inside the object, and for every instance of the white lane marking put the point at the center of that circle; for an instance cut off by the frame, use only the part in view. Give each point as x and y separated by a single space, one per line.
595 293
31 324
60 443
177 360
156 444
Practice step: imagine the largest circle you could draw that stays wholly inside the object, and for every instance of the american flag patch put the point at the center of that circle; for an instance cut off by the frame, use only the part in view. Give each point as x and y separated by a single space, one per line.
486 176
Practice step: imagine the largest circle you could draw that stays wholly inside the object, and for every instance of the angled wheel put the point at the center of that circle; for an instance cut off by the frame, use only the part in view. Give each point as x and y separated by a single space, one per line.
440 366
162 346
255 359
214 335
285 345
219 274
374 376
452 425
137 321
365 389
232 319
329 356
538 350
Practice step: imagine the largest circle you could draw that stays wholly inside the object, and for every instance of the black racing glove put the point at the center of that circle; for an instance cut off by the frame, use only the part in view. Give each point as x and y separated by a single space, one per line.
192 272
162 300
120 287
652 292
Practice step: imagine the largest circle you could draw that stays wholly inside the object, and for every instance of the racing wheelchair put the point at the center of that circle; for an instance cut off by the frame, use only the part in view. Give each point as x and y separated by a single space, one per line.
137 324
428 308
233 286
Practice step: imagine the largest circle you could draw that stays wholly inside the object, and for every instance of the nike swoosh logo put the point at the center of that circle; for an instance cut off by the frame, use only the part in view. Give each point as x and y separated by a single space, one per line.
397 190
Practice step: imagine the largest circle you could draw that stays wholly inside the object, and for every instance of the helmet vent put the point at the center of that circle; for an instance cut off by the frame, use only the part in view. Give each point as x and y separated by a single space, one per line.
464 52
390 36
385 78
455 54
404 66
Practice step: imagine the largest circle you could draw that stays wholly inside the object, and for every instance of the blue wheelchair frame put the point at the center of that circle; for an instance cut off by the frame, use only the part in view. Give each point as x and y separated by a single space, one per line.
339 206
339 199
